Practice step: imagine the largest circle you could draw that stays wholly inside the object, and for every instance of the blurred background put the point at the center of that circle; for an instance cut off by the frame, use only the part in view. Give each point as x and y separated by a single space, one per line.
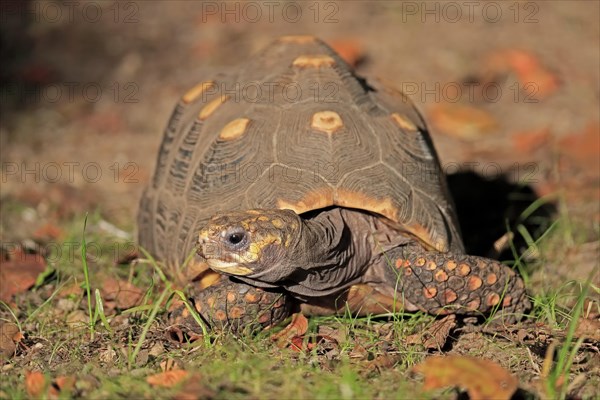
510 91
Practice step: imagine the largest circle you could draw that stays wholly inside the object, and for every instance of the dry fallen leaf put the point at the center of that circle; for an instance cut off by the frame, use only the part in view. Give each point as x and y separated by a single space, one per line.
534 77
38 386
436 334
169 365
297 344
167 378
19 272
483 379
335 334
35 383
588 328
120 294
382 362
582 148
48 231
194 389
64 383
350 50
530 141
297 327
461 121
532 73
10 336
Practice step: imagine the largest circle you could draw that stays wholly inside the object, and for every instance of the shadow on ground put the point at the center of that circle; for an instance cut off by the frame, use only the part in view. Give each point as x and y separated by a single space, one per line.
488 208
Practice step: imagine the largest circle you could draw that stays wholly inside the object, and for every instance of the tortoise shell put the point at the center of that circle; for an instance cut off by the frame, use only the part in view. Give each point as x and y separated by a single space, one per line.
294 127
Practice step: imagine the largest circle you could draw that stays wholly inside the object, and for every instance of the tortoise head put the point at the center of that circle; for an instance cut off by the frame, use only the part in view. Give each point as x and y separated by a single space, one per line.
251 243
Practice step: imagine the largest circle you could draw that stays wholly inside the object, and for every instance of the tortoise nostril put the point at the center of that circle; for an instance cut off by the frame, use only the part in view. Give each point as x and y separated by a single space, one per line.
208 250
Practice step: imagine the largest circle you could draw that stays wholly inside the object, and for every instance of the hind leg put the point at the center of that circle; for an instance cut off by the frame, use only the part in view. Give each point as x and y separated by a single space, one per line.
447 283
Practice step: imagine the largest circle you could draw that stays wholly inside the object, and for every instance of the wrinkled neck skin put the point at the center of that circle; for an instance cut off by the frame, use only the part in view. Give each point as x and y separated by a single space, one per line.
331 252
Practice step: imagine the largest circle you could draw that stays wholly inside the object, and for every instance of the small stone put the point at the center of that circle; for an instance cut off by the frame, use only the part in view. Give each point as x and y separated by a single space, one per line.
157 349
108 356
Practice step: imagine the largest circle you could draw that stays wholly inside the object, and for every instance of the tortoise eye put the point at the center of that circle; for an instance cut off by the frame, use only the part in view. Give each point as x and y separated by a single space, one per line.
235 238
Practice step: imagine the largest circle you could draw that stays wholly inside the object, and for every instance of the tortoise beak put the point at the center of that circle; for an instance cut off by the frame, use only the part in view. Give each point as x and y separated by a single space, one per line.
219 260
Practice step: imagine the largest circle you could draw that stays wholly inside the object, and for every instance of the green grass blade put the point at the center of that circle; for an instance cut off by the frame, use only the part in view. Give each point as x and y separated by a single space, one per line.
87 277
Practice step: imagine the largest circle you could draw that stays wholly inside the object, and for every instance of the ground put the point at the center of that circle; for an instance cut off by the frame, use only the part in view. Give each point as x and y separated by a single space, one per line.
510 91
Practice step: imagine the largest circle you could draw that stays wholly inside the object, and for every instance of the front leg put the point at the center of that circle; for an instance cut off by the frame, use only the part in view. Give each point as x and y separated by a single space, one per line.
447 283
233 305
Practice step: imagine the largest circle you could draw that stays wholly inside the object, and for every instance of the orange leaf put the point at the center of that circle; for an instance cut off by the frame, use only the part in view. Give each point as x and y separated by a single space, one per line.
483 379
35 383
461 121
582 148
124 294
588 328
65 383
529 141
168 378
530 71
435 335
297 344
48 231
533 76
194 389
19 272
297 327
10 335
350 50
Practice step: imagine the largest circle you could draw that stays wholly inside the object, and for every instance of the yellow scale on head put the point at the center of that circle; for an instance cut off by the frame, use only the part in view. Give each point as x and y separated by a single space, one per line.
255 249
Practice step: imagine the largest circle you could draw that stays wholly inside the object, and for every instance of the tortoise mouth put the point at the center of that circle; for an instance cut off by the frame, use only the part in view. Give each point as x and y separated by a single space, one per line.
226 267
221 261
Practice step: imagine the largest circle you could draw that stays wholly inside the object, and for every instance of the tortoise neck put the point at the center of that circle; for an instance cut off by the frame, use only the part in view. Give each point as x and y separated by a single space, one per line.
324 240
328 255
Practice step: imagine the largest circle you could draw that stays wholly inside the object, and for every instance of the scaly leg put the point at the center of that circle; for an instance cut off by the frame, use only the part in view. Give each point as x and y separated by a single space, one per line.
235 306
447 283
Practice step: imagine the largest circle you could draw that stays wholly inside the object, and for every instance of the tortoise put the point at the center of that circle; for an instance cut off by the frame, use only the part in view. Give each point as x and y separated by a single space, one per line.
305 187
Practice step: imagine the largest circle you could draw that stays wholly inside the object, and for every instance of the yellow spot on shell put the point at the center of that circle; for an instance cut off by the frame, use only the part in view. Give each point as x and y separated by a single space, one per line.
327 121
319 198
234 129
356 199
313 61
197 91
403 122
301 39
210 108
